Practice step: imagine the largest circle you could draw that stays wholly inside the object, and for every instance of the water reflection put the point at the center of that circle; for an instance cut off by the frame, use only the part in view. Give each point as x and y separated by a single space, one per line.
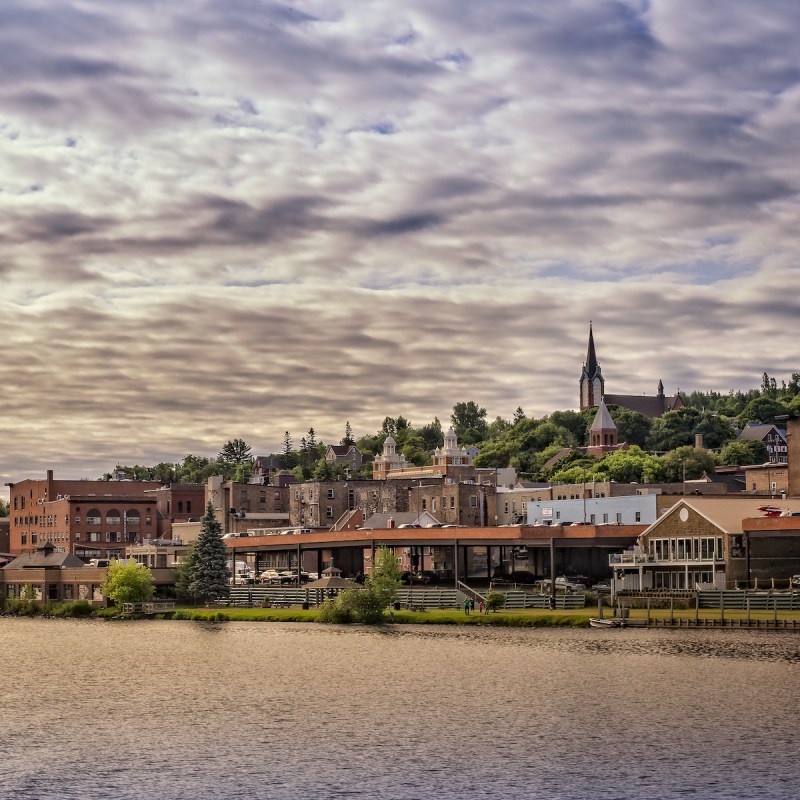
176 709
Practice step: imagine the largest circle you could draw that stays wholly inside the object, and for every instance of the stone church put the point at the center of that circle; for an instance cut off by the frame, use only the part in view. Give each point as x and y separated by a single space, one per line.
592 391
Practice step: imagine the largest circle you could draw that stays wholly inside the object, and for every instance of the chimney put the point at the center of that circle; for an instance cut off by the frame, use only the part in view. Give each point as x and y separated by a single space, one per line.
698 441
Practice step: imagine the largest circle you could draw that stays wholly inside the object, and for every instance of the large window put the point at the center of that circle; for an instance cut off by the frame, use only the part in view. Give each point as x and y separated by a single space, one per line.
93 517
113 517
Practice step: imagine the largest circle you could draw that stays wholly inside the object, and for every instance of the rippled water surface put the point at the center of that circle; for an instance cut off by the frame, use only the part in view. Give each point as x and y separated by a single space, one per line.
95 709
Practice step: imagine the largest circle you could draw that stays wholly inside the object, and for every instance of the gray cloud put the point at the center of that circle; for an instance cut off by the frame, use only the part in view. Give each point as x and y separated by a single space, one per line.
242 218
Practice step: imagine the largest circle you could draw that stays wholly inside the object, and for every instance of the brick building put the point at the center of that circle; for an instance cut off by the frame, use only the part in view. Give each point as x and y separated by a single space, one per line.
92 519
244 506
770 480
178 502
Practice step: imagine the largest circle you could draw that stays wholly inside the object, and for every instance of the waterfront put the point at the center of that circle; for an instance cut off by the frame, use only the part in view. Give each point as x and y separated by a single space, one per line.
177 710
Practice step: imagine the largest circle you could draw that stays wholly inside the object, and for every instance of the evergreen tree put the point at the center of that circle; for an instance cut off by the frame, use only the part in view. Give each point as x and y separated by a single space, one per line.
236 451
348 435
209 571
287 448
183 577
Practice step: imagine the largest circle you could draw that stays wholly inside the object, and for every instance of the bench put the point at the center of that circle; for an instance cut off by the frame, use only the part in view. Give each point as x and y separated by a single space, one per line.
415 607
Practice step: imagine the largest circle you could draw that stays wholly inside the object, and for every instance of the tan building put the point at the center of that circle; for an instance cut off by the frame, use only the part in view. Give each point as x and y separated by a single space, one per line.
694 543
793 453
59 576
769 480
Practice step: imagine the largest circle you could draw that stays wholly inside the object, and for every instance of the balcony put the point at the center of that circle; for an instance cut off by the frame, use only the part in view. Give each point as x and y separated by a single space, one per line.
635 559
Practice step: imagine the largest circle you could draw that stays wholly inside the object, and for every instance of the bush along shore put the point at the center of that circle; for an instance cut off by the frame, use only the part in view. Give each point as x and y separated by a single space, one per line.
530 618
82 608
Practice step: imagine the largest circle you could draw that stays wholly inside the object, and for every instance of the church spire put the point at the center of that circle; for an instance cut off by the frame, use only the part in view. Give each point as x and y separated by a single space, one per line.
591 358
592 384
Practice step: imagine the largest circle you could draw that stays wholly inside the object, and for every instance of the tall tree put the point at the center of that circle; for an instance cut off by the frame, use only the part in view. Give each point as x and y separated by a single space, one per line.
183 577
432 434
209 572
469 416
236 451
347 439
687 462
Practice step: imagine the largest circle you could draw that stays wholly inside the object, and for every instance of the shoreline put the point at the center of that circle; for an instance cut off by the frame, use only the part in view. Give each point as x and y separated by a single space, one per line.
511 619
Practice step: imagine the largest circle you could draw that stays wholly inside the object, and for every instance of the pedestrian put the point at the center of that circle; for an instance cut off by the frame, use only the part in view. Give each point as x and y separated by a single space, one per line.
472 604
480 607
466 606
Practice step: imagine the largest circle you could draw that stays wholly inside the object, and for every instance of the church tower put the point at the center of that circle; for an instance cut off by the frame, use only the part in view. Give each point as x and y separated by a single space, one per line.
592 385
603 433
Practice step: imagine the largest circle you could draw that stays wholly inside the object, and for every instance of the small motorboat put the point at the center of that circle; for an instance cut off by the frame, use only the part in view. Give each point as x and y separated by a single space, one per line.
599 622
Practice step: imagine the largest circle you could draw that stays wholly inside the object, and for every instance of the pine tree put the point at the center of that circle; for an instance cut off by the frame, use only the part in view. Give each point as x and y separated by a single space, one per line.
348 435
209 571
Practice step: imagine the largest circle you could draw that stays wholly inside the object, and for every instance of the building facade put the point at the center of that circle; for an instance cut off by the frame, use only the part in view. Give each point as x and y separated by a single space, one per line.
92 519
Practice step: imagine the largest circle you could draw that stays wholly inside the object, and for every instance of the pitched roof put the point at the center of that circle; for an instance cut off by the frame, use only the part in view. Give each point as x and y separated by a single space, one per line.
650 405
550 463
758 432
45 557
726 513
602 419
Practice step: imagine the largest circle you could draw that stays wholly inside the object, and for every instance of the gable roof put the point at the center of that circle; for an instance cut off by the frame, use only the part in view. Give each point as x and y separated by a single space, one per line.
342 449
726 513
758 432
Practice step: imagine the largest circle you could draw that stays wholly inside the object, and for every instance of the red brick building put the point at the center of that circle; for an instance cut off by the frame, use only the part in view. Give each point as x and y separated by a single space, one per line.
91 519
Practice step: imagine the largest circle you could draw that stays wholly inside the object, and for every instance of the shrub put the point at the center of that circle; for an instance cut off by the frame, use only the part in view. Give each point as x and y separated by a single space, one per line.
20 607
495 600
335 611
77 608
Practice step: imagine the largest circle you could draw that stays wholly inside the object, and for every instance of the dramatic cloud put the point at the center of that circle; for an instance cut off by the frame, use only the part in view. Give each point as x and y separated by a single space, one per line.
236 219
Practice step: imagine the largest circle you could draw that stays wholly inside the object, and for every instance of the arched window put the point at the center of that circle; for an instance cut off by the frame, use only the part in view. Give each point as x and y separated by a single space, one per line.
93 517
113 517
132 517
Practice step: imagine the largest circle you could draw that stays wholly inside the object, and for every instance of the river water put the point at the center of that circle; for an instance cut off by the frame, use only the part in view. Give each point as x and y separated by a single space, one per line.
97 709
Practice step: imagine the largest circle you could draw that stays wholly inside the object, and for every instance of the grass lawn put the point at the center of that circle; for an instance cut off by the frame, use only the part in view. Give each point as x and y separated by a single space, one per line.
526 618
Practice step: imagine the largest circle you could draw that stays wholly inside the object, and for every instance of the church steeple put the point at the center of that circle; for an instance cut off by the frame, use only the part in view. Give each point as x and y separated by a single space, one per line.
591 357
592 384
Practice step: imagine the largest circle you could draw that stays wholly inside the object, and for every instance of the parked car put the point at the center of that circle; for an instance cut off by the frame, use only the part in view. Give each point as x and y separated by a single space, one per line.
231 536
570 584
269 576
410 525
602 587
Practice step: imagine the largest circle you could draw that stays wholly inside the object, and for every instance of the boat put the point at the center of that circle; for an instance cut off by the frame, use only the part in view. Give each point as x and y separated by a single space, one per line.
599 622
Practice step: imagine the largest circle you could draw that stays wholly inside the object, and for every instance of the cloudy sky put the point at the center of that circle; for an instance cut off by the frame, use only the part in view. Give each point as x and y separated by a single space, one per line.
232 219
